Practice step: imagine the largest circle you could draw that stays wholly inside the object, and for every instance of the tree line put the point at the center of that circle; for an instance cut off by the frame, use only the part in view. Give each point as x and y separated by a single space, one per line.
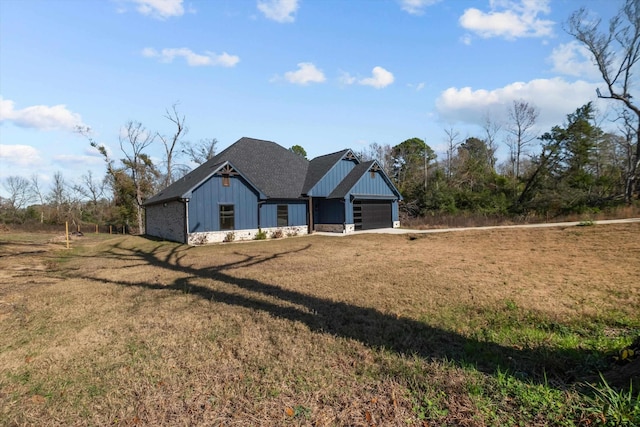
118 196
574 167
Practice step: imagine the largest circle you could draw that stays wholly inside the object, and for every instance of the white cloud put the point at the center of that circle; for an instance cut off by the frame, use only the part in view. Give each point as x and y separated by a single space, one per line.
416 7
76 160
41 117
305 74
380 78
574 59
417 87
160 9
509 19
346 78
193 59
555 98
278 10
20 155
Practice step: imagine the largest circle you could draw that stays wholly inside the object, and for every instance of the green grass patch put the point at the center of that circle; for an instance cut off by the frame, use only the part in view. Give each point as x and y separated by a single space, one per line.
607 406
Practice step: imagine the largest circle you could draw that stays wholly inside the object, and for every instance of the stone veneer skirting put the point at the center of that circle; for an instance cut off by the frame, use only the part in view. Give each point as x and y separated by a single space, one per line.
330 228
336 228
207 237
343 228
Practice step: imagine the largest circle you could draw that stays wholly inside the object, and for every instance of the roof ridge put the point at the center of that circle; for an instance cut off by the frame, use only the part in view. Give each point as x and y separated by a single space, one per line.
332 154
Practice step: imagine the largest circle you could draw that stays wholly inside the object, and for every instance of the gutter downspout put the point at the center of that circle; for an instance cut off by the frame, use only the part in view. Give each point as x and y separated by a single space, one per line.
260 203
186 220
310 215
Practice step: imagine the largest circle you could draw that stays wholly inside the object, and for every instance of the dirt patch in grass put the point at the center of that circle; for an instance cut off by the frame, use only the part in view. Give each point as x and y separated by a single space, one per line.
469 328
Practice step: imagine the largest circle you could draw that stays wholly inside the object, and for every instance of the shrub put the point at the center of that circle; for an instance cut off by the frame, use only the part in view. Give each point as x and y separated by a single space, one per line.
230 237
277 234
199 240
261 235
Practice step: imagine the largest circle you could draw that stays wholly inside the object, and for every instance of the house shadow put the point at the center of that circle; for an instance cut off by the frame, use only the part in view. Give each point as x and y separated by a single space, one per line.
371 327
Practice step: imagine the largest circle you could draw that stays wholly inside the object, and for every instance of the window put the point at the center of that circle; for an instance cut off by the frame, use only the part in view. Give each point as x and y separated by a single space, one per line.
226 181
226 217
283 215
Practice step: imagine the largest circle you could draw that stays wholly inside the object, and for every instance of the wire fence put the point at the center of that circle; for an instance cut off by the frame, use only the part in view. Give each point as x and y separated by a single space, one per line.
88 228
73 226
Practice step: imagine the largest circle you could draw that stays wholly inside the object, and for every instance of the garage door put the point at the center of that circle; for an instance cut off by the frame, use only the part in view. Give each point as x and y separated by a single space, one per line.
369 214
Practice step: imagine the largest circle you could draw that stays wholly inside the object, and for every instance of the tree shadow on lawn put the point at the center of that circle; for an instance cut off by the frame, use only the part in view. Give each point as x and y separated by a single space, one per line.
557 367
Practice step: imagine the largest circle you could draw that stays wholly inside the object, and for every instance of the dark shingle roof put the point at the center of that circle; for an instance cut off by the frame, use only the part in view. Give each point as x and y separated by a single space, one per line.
318 168
181 187
350 180
274 170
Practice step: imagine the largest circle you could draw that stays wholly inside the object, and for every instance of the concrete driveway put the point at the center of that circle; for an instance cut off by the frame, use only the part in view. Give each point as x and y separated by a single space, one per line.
447 230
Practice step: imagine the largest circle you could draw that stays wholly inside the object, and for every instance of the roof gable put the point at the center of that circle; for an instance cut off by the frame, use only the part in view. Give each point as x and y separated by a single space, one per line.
271 169
356 174
182 188
321 165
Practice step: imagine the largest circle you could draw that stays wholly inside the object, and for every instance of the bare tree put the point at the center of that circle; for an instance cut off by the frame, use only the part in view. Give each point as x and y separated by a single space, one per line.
522 118
20 194
134 181
379 152
170 143
91 190
616 52
491 130
453 141
38 194
57 198
203 150
626 144
133 141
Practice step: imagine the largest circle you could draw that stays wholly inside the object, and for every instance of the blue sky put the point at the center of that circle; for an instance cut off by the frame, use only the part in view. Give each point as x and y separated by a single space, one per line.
323 74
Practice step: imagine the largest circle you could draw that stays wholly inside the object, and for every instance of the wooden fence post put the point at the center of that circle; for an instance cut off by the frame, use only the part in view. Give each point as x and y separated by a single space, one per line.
66 226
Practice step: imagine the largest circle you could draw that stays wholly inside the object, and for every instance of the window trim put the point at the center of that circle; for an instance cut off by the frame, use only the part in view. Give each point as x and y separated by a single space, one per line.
222 221
280 215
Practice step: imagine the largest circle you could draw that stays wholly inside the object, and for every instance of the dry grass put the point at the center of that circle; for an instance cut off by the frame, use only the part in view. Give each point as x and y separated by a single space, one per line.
363 330
469 219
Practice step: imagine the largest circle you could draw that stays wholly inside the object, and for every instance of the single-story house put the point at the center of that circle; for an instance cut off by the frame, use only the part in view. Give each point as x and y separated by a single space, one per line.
256 185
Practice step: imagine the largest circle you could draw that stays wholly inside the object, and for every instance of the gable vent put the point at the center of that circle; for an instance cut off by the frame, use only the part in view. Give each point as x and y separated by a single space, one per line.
350 156
227 170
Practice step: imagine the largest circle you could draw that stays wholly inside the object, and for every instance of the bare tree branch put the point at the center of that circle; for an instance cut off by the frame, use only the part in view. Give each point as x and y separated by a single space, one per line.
170 143
522 117
615 52
202 151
